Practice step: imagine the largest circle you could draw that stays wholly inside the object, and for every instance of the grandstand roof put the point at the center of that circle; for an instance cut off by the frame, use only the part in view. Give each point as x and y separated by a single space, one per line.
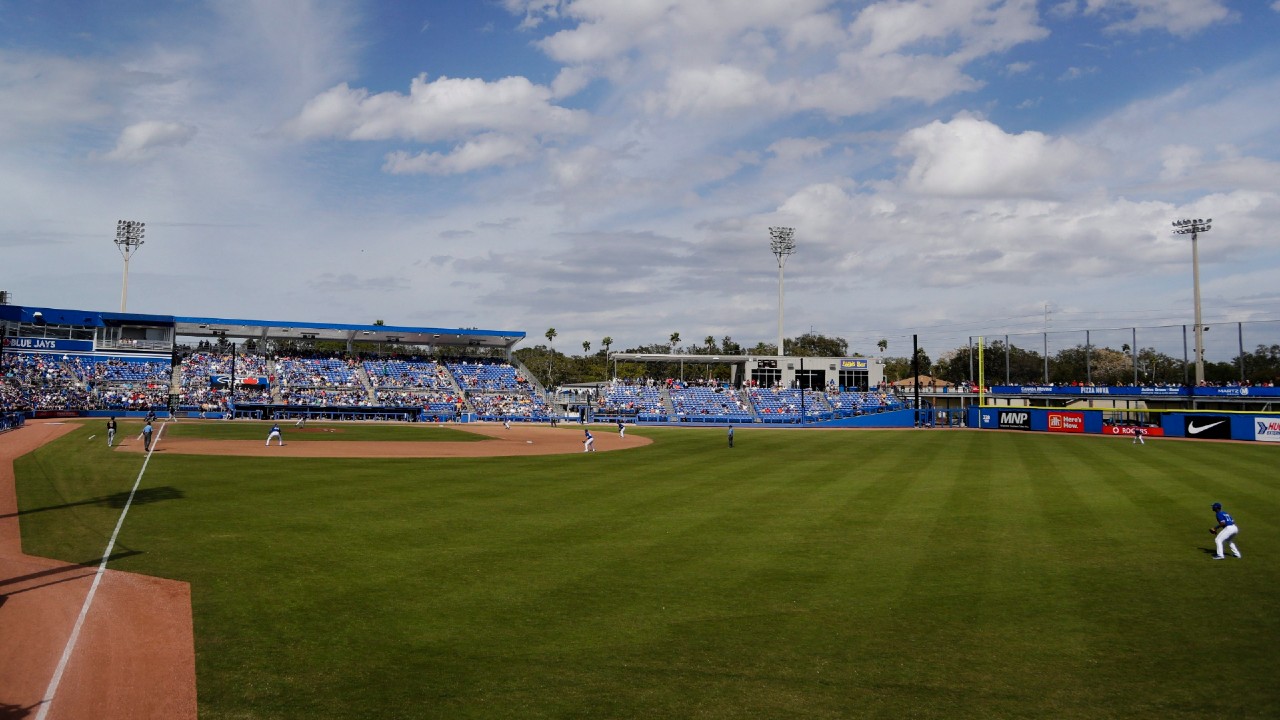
279 329
677 357
267 329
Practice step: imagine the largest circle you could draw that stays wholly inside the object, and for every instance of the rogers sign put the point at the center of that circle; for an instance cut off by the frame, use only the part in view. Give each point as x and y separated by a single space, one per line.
1128 430
1066 422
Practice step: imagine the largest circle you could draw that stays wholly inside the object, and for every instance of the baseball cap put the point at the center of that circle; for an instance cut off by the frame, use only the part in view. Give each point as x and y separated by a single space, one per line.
1217 506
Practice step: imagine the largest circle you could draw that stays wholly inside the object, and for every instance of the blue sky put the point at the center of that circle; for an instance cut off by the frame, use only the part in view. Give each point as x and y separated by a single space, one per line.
612 167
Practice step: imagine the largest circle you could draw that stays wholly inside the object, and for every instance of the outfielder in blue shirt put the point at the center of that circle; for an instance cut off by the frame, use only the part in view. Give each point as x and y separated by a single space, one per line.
1224 532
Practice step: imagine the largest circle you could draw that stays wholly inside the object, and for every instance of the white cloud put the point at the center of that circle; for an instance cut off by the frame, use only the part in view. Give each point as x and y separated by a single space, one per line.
441 109
483 151
143 140
796 149
972 157
1179 17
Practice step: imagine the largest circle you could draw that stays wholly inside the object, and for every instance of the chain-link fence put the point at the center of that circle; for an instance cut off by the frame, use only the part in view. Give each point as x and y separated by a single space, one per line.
1240 352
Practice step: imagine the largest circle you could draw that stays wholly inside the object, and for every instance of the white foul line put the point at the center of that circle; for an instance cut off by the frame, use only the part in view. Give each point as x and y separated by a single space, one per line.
52 690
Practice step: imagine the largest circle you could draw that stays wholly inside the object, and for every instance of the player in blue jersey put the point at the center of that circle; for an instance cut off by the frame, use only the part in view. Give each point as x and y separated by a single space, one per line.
275 433
1225 530
589 442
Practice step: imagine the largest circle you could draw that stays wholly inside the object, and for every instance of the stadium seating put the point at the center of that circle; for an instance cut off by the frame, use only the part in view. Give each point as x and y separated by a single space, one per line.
625 400
709 404
784 405
407 374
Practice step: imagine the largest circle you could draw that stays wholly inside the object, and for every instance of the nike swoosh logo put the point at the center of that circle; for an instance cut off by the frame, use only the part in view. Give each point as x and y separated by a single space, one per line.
1193 430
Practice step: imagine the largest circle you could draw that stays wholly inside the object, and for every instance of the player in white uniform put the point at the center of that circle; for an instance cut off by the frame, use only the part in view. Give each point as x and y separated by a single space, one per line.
275 433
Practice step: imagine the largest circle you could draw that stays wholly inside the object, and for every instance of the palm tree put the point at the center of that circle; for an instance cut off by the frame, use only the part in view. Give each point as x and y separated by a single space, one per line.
710 342
551 337
883 345
586 346
607 342
675 340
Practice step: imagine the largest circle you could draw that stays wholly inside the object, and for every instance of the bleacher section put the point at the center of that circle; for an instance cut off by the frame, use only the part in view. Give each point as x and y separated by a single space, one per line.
509 406
120 383
632 402
198 393
706 404
414 382
784 406
42 382
498 391
850 404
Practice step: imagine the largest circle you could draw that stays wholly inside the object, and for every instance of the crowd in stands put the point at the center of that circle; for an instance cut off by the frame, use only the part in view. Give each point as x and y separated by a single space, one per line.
631 399
325 397
488 376
701 401
325 372
410 373
509 405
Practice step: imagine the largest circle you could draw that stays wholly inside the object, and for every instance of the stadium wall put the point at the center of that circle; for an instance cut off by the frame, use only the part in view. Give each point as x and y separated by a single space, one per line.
1206 425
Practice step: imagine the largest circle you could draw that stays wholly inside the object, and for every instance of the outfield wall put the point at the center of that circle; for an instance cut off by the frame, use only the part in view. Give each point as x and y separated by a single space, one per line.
1206 425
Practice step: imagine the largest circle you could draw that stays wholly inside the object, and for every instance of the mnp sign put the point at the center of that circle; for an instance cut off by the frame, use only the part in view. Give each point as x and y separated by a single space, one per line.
1015 419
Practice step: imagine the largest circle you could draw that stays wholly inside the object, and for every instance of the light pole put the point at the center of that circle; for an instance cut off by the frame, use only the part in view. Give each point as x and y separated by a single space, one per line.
128 238
1194 228
783 245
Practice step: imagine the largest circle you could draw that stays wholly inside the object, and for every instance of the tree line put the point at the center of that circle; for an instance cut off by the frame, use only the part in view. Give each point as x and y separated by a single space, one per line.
1100 365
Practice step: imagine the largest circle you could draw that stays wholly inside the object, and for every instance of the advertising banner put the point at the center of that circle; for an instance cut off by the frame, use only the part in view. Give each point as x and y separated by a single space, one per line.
21 344
1066 422
1128 430
853 364
1080 390
1244 392
1266 429
224 381
1208 427
1015 419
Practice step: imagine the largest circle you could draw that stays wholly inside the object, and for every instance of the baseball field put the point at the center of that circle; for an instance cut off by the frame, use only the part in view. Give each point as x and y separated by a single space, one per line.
801 574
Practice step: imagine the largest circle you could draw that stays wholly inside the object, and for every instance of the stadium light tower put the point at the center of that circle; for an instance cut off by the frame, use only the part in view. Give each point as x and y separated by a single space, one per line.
1194 228
128 238
783 245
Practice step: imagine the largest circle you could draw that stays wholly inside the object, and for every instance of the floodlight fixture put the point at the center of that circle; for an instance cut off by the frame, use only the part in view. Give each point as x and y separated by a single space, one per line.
128 239
783 244
1194 228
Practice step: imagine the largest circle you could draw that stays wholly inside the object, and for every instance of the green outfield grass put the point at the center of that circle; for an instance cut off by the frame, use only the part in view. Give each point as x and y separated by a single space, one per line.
258 430
803 574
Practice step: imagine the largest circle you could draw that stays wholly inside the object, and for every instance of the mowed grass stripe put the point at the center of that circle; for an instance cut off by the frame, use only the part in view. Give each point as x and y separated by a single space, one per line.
801 574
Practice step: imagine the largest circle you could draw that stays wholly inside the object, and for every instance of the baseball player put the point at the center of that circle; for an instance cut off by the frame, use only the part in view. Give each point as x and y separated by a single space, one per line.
1224 532
302 421
589 443
622 428
730 436
275 433
146 437
506 423
111 431
1138 432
